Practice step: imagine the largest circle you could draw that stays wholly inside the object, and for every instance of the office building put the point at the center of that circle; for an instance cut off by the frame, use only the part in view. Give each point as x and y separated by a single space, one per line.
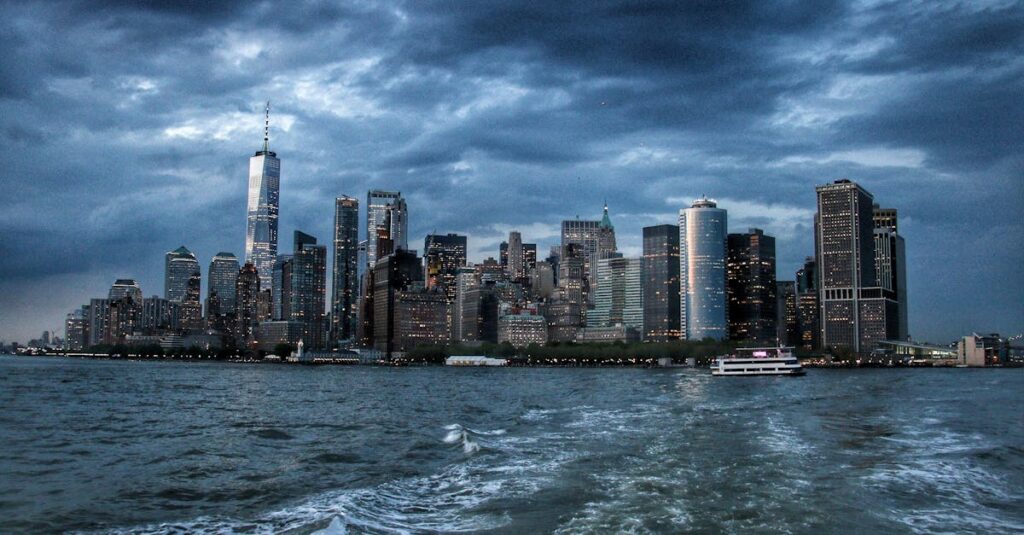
787 322
522 329
443 255
262 208
247 317
421 318
386 213
618 299
702 266
890 263
516 260
750 274
179 266
344 278
857 311
595 239
660 272
281 291
222 278
542 281
807 305
466 315
309 288
392 275
160 316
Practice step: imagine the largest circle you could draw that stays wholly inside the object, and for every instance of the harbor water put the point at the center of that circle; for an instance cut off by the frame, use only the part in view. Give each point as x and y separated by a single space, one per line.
172 447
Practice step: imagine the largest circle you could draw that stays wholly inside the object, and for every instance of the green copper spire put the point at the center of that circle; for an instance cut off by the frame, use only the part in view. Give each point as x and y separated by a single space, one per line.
606 221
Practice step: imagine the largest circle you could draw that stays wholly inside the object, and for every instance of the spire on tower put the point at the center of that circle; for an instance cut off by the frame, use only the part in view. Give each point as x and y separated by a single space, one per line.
266 130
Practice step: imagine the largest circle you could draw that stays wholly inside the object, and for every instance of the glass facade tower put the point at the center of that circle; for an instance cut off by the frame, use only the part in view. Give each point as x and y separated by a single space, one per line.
661 283
702 258
345 281
262 209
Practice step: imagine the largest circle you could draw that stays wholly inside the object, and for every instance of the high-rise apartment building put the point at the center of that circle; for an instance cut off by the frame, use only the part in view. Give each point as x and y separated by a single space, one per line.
702 265
344 279
660 272
309 288
750 271
262 208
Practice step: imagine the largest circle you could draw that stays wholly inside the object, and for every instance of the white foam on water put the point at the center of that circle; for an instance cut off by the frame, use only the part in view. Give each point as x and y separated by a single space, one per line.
956 493
336 527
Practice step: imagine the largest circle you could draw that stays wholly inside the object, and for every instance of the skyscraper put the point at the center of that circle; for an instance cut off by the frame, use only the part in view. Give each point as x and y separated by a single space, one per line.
179 265
807 309
857 310
516 260
443 255
344 280
890 262
661 283
309 288
787 319
281 295
262 208
392 275
619 296
596 240
702 244
751 288
385 209
223 275
247 291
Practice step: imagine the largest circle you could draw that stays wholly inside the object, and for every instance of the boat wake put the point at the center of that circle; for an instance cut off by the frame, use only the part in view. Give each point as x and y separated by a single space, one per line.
458 434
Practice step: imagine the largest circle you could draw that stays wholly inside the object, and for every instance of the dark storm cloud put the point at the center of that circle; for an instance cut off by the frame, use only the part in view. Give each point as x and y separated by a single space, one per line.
128 124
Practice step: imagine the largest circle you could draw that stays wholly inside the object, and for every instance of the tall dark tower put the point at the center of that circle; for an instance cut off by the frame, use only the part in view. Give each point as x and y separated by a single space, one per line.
857 309
750 270
309 288
345 278
661 283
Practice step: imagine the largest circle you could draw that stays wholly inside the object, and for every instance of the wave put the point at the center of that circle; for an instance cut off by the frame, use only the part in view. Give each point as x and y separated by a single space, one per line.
457 434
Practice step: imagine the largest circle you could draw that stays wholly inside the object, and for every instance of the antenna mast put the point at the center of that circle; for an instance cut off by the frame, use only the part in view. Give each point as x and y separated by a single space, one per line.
266 130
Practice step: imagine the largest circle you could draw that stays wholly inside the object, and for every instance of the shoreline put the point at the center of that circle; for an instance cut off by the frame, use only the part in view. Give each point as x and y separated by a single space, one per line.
400 363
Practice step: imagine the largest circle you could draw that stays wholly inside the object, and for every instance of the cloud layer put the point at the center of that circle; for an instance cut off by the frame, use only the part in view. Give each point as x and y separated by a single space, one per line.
127 128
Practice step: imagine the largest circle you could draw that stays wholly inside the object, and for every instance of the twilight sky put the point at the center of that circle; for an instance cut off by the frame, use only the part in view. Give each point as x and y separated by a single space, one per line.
127 128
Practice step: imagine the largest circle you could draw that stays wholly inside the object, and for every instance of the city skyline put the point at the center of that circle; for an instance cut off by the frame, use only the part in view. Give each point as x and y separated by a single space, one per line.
157 167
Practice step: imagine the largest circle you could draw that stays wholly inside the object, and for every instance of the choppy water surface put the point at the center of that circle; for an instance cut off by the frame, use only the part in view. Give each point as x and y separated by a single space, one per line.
100 446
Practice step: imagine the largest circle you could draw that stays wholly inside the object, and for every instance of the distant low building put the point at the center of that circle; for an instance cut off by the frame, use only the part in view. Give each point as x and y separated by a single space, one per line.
521 330
977 350
271 333
614 333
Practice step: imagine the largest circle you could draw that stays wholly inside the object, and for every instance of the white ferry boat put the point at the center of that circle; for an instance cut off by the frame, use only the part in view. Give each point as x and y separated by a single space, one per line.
474 361
758 361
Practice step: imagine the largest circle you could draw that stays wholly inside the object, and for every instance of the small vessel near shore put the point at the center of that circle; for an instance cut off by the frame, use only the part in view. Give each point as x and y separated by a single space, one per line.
474 360
758 361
